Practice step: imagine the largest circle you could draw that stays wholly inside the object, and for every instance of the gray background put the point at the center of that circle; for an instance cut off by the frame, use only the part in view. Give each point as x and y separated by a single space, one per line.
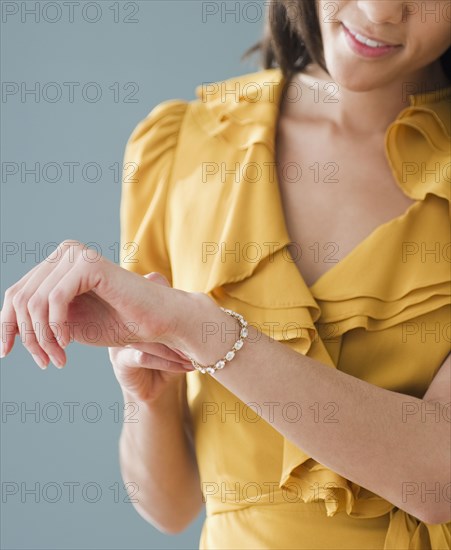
166 53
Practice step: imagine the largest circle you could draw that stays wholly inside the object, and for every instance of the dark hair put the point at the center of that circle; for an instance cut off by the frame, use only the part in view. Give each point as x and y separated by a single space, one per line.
292 39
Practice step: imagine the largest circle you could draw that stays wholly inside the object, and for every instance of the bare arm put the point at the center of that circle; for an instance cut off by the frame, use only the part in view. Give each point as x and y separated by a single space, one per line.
375 443
157 454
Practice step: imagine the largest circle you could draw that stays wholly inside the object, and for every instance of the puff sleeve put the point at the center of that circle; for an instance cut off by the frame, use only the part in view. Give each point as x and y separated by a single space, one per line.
147 167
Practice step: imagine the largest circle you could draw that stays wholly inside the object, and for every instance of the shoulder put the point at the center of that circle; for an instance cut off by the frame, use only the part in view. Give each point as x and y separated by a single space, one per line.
258 86
237 112
161 125
244 100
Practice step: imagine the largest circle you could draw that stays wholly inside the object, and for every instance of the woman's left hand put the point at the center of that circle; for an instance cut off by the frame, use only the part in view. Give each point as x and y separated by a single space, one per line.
77 295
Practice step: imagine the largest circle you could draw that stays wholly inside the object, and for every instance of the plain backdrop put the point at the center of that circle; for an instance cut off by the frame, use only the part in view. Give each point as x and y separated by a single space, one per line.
76 79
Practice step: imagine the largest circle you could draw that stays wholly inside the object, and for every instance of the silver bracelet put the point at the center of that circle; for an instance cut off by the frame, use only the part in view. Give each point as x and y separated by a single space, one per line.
220 364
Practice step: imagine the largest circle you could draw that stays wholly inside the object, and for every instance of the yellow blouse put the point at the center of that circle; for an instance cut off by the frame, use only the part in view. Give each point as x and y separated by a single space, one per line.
224 234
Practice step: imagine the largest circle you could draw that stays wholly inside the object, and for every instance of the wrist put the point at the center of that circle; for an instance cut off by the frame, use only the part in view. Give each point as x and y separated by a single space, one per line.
210 333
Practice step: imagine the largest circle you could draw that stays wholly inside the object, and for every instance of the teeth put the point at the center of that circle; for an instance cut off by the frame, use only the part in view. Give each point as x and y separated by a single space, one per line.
367 41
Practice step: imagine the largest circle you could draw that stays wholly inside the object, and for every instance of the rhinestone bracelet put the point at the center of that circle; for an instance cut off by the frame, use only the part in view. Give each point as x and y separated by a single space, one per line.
220 364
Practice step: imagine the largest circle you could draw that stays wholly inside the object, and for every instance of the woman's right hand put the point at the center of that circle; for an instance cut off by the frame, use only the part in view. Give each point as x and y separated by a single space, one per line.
145 371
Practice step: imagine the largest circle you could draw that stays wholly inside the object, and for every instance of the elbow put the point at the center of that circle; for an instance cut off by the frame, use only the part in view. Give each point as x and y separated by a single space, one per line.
167 525
172 529
432 495
434 514
173 526
439 517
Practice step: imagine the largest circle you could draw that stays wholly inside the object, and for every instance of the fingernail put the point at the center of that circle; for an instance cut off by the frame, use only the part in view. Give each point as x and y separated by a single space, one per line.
2 349
58 364
39 361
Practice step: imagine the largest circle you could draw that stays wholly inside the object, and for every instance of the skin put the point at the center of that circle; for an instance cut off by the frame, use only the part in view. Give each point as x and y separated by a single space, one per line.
67 288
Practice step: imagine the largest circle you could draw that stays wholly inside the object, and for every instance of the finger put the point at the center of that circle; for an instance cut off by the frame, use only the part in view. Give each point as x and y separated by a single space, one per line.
9 322
8 319
27 331
52 336
9 330
32 312
81 277
159 350
131 358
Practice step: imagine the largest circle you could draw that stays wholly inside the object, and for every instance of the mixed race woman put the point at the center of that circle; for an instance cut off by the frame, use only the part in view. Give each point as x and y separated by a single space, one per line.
286 274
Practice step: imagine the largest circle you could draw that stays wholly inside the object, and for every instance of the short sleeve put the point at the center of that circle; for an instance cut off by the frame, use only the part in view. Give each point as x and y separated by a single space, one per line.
146 171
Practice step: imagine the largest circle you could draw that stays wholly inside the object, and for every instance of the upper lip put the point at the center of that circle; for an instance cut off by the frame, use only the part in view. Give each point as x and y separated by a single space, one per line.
366 34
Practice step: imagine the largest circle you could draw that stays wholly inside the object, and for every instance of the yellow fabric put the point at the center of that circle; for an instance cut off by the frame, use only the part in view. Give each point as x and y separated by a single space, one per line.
368 316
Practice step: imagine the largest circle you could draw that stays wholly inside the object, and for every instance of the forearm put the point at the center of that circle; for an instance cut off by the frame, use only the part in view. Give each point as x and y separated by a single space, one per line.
370 444
156 453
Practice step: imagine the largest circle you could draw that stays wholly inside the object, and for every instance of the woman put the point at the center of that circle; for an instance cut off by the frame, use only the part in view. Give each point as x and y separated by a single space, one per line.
325 424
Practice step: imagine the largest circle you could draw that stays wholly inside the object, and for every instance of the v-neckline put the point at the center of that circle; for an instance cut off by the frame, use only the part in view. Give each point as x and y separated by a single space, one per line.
278 193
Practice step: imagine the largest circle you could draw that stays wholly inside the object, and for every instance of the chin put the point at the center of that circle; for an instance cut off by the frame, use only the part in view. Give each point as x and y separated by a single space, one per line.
357 79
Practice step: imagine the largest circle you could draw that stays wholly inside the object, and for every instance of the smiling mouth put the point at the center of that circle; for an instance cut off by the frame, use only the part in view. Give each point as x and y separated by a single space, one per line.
370 42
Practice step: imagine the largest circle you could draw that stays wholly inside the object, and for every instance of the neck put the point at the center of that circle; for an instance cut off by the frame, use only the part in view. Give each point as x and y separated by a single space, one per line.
366 112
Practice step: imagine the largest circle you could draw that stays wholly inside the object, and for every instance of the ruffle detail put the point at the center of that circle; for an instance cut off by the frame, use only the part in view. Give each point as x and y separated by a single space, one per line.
242 110
315 482
407 532
422 131
414 242
338 493
285 315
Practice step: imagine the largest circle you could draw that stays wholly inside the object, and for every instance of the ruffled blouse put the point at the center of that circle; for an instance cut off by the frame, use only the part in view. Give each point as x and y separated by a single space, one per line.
202 218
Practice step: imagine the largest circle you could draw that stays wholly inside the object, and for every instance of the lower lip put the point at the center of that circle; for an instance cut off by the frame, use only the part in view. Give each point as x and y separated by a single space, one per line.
364 50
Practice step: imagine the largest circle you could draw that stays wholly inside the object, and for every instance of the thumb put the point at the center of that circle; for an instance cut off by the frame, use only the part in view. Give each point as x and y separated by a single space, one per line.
156 277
